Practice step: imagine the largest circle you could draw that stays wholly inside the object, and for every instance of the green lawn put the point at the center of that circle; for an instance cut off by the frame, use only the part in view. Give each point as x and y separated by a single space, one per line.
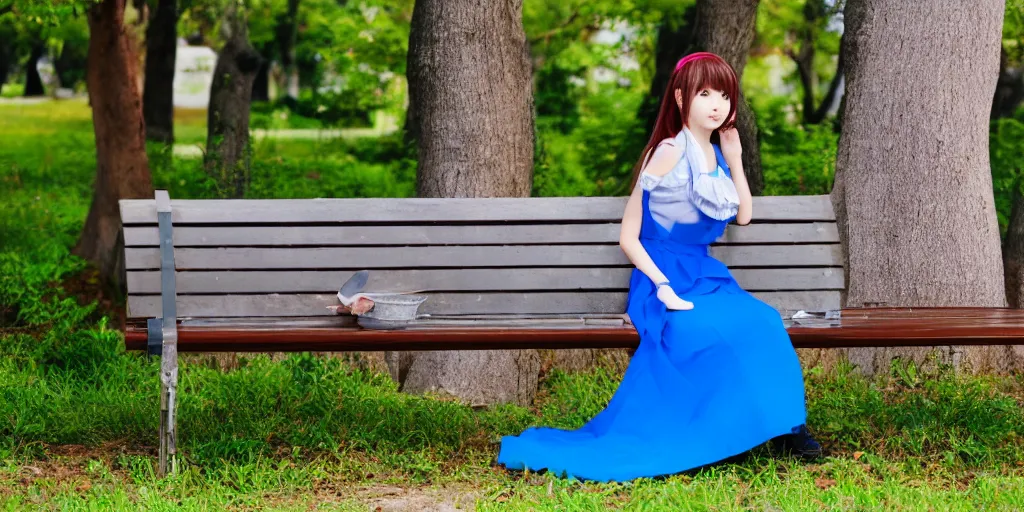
78 414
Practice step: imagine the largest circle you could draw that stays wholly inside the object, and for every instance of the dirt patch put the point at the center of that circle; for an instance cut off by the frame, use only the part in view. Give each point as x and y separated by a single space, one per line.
69 462
107 451
384 498
61 468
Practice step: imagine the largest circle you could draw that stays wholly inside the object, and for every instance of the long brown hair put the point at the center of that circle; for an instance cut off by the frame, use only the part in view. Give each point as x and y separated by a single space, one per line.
693 73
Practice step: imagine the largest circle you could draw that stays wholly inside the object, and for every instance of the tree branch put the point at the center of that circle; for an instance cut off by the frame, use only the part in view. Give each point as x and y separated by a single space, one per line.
553 32
4 9
833 89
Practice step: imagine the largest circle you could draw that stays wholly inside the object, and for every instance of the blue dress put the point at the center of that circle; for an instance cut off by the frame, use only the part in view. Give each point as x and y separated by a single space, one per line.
704 384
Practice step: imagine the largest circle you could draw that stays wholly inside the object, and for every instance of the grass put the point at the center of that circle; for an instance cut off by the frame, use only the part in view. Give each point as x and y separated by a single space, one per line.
78 414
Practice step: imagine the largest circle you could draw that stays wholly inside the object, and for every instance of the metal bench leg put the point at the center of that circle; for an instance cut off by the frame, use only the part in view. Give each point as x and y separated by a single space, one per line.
169 332
168 392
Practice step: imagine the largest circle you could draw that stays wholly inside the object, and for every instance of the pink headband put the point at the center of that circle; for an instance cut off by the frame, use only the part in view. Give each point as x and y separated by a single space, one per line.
691 57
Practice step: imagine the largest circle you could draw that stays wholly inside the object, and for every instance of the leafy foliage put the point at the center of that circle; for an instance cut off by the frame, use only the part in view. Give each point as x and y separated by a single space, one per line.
44 12
1006 147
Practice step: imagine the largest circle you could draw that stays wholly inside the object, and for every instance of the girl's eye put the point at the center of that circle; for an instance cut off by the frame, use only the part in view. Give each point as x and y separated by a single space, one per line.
726 96
704 92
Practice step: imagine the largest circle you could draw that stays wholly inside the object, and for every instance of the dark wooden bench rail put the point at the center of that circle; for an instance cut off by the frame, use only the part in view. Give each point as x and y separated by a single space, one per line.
499 273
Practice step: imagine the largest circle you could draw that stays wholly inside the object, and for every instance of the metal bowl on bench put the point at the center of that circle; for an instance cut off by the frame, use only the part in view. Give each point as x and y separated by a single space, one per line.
390 310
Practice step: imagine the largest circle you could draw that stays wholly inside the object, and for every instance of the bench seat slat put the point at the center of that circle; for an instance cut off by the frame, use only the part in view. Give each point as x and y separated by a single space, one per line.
247 236
355 258
856 328
588 209
473 279
142 306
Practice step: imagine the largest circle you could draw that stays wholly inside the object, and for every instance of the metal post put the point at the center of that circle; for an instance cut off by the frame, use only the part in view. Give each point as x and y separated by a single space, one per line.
169 331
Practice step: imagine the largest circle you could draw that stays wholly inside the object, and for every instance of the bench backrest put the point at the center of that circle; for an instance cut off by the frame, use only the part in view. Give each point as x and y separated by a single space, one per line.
525 256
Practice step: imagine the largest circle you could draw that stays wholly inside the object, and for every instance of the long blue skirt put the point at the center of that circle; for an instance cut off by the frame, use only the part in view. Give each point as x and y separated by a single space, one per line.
704 384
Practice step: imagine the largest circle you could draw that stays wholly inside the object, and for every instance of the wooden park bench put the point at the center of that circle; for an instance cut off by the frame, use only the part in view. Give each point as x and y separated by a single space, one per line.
498 273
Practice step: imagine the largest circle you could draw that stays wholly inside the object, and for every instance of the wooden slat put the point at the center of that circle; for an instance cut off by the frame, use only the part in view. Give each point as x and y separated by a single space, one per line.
788 302
1011 316
797 233
339 321
473 279
588 209
145 306
876 327
483 337
243 236
463 257
441 303
206 282
361 210
864 328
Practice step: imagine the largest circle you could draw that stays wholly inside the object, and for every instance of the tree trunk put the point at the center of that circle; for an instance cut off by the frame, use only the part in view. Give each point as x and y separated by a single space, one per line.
161 52
261 82
5 63
1013 253
122 168
470 86
913 189
70 66
675 39
816 16
287 34
818 115
726 28
1009 89
34 82
228 154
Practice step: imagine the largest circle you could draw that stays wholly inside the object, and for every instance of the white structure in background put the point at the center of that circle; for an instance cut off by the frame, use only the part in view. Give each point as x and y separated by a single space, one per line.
193 75
610 34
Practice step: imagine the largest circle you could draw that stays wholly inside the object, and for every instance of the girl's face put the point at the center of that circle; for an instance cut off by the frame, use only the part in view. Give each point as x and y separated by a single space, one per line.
708 109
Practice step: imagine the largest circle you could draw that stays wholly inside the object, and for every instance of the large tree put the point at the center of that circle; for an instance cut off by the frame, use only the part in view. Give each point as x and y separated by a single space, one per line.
228 154
913 190
470 88
161 53
122 168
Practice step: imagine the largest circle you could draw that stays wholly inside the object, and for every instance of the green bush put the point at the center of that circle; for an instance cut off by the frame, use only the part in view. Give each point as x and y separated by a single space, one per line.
796 159
306 168
1006 153
273 116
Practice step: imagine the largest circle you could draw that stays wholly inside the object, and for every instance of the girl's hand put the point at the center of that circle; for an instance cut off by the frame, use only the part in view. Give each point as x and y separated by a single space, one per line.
730 141
672 301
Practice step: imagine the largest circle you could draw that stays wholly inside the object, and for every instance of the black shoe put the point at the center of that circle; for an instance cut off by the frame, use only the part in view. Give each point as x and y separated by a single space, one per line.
798 444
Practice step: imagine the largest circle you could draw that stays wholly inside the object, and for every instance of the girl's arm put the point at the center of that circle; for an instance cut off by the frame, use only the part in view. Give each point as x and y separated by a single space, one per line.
731 150
663 160
629 238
